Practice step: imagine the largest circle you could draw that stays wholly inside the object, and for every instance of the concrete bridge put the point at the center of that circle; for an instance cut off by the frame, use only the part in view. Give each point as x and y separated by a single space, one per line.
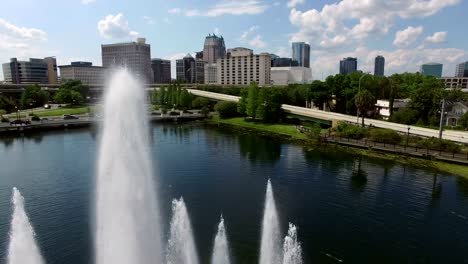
457 136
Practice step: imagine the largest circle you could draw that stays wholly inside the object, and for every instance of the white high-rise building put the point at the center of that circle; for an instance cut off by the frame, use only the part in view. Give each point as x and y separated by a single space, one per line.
211 73
135 56
242 67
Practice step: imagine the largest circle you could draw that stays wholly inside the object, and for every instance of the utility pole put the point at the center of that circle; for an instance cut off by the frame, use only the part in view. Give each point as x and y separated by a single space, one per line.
442 113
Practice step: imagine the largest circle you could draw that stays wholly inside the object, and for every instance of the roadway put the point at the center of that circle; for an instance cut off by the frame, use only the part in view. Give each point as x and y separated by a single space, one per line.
457 136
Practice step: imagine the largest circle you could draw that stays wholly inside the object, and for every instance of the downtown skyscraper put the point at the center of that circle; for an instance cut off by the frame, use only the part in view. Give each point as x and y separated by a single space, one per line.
213 49
301 53
379 66
348 65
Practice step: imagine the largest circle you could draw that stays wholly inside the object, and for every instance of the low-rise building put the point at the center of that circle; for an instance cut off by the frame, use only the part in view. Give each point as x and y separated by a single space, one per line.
32 71
457 110
84 72
242 67
455 82
290 75
383 107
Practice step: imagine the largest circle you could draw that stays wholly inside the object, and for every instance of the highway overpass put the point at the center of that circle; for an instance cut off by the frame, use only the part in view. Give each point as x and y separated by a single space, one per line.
457 136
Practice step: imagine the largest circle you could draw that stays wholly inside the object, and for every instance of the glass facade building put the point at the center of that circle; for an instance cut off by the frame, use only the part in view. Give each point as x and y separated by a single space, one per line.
462 70
301 53
379 66
32 71
161 70
348 65
432 69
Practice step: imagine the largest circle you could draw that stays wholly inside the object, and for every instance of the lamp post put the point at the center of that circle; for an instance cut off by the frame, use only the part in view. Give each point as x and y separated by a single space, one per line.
407 137
442 113
360 78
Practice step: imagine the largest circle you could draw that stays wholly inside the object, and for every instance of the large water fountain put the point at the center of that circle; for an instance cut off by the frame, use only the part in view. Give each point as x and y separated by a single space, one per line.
126 211
22 248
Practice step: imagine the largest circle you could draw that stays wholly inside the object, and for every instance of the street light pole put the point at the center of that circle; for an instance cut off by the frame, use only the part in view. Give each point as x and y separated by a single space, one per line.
442 113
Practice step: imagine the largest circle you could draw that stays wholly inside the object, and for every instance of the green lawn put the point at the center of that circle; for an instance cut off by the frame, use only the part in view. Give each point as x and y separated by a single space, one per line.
63 111
283 129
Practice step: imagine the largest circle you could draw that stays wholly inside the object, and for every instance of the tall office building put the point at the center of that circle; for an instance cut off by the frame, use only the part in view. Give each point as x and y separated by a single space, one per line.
161 70
432 69
52 75
348 65
213 49
84 72
242 67
462 70
32 71
379 66
189 70
135 56
301 53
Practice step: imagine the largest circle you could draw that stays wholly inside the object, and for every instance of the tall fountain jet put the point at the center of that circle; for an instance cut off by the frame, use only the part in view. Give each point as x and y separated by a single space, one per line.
292 250
181 244
221 246
23 248
127 219
270 250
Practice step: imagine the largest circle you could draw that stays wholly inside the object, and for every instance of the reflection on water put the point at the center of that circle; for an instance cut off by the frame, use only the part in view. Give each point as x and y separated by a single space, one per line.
387 213
257 148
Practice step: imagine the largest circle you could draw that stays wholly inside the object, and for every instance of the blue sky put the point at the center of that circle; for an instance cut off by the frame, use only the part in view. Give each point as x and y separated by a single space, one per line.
407 32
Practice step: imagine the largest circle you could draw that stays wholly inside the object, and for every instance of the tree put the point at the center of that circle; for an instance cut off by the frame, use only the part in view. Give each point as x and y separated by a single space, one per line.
364 101
185 98
269 105
427 98
252 100
200 102
242 105
33 96
226 109
7 104
72 92
320 93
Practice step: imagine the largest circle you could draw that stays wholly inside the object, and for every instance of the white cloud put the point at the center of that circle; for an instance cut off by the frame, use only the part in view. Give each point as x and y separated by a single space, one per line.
438 37
247 33
149 20
257 42
408 36
283 52
175 10
21 32
231 7
85 2
355 21
276 3
115 26
293 3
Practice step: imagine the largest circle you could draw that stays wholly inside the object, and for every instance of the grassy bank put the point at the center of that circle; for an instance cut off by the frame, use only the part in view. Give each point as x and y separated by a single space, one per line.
290 132
282 129
55 112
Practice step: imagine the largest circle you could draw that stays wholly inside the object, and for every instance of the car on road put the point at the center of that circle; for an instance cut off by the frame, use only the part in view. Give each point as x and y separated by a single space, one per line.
70 117
20 122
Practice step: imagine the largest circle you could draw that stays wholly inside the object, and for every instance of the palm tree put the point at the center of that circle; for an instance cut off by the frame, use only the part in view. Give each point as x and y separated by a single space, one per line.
364 101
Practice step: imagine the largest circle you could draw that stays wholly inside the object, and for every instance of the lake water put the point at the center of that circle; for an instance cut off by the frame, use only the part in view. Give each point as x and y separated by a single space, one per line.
396 214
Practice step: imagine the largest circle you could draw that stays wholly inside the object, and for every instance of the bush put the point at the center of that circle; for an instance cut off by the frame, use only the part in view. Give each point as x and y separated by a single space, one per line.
200 102
226 109
405 116
5 120
35 118
351 131
384 136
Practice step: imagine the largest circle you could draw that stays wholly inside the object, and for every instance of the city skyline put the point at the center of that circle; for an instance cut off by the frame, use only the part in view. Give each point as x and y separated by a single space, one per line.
407 35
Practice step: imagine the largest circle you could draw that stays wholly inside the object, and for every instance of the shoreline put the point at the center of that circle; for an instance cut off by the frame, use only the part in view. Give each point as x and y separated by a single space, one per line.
301 139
